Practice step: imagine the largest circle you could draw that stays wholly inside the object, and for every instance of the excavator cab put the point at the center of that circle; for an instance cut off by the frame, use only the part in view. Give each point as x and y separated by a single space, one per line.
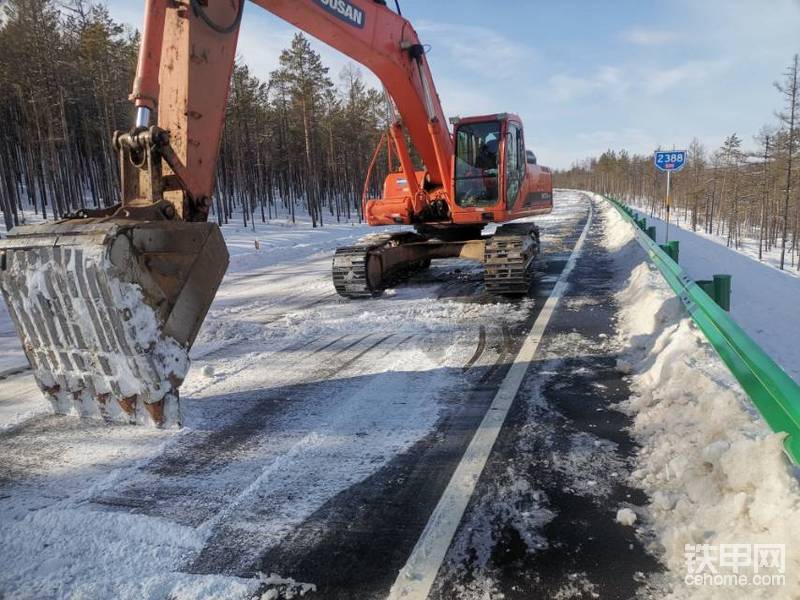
491 170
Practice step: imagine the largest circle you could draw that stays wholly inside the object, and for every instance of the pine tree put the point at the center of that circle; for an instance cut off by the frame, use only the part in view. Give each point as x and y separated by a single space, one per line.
790 90
307 81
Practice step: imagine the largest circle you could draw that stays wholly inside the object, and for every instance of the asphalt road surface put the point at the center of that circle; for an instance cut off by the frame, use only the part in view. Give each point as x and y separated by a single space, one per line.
320 436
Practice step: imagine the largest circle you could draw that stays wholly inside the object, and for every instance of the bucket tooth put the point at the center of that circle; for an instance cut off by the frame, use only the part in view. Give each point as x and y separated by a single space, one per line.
156 412
77 402
128 405
60 401
171 410
84 403
101 400
52 390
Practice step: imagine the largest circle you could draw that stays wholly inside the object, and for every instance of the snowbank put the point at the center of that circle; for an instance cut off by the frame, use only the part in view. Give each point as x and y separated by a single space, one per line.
714 471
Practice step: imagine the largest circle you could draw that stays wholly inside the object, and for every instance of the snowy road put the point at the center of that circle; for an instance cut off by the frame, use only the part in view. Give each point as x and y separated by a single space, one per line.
320 435
313 427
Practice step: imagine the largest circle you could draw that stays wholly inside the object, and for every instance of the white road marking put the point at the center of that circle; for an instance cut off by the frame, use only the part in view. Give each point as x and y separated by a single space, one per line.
417 576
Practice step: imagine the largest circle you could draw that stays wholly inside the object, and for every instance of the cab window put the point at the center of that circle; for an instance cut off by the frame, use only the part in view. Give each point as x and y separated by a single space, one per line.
515 164
477 159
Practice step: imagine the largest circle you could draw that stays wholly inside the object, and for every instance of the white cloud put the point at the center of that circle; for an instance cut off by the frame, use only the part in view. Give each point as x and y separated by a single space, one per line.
649 37
479 49
605 80
691 72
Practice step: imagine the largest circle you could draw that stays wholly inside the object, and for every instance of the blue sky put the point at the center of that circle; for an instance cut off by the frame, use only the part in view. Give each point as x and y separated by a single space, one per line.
585 76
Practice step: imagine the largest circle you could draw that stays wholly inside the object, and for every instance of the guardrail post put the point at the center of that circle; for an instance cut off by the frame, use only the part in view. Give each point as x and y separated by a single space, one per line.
722 291
707 285
670 249
675 248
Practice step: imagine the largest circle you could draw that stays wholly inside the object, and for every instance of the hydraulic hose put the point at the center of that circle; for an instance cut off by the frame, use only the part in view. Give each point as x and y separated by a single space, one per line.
199 12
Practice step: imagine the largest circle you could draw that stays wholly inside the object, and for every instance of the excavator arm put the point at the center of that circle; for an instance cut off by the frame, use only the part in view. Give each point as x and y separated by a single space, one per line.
184 70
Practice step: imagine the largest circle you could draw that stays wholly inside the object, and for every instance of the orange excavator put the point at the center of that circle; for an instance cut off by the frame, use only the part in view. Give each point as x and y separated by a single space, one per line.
108 302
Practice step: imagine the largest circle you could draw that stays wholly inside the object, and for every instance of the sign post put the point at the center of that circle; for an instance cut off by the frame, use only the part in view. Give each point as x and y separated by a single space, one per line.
668 162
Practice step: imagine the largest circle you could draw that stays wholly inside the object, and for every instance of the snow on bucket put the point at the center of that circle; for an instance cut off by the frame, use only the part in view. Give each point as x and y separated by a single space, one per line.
108 310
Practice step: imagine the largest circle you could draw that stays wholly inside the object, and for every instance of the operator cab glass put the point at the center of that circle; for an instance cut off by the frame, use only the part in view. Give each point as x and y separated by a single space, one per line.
477 160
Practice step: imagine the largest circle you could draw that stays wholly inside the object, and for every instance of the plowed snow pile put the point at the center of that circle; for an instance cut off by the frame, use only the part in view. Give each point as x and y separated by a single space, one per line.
715 473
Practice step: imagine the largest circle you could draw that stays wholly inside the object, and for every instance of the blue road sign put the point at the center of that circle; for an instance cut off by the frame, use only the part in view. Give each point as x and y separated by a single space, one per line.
674 160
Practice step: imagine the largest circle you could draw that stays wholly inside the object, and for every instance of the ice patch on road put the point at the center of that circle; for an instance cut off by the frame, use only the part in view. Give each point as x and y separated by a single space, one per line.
714 471
590 464
579 586
284 588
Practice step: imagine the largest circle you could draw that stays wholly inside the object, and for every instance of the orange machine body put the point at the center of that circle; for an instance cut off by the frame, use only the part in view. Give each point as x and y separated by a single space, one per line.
530 195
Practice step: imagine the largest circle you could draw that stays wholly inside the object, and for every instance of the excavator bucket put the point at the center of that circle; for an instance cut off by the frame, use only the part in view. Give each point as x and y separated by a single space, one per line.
107 310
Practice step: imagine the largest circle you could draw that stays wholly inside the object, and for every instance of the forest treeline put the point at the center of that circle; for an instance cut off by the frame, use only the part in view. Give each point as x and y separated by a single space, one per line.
295 139
738 191
300 139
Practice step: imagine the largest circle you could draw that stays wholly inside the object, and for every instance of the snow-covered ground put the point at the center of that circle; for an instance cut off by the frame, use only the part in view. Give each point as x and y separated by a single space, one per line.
747 246
294 395
764 299
714 471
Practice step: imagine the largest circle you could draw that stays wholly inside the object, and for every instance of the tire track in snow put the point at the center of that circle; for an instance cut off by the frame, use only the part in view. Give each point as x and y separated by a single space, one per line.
479 350
505 347
243 314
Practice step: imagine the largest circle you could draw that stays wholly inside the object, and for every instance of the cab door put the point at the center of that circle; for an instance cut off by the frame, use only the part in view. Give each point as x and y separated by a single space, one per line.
514 173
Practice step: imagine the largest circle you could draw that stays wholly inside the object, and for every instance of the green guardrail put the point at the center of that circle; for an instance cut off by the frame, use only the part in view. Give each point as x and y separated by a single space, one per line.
772 391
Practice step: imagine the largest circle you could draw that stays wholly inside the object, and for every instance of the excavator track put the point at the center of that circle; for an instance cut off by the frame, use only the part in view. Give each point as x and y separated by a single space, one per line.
364 270
508 259
375 262
350 271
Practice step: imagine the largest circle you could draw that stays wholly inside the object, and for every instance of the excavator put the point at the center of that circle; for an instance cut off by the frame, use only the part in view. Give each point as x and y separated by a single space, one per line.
107 302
